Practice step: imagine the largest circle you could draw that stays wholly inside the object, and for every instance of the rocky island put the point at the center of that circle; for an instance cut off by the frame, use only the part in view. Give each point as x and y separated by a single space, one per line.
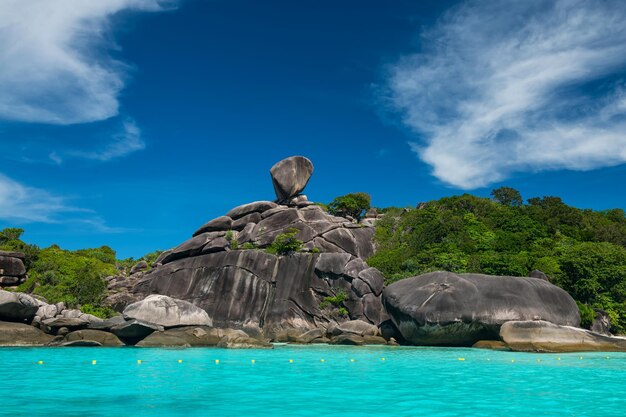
288 271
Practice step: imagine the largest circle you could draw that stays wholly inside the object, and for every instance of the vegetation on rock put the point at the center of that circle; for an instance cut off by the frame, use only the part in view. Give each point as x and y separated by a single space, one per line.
286 243
354 205
73 277
582 251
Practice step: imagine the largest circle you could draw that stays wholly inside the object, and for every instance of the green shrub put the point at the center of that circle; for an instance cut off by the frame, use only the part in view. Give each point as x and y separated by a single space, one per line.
286 243
587 314
234 245
102 312
335 300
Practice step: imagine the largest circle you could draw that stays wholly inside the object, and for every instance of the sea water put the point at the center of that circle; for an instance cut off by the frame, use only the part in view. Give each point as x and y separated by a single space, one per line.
309 381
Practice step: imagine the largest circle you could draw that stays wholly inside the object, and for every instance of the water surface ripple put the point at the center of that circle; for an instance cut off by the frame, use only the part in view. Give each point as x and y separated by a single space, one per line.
309 381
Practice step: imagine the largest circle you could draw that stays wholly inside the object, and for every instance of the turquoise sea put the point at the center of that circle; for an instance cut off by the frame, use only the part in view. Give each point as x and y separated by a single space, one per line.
309 381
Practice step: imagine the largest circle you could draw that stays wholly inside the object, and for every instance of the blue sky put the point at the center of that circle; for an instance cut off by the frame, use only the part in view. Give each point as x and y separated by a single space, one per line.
130 123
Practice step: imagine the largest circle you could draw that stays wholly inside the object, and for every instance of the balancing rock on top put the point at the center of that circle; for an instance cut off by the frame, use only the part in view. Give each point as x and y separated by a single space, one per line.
290 176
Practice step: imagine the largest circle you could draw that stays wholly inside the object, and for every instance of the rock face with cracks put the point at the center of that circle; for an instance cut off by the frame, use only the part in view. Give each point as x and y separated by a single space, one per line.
443 308
225 268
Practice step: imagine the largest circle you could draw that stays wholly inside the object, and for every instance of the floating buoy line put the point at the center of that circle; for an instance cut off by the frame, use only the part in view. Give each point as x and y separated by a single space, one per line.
382 359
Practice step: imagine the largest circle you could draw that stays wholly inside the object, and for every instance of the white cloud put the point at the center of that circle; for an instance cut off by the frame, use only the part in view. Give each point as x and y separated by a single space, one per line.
20 203
55 67
124 143
517 86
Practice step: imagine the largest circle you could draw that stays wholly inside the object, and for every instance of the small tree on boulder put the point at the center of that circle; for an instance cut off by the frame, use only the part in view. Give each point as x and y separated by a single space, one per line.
353 204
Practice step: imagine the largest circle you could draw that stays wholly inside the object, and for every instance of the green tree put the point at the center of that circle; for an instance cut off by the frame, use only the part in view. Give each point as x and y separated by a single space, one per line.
507 196
354 204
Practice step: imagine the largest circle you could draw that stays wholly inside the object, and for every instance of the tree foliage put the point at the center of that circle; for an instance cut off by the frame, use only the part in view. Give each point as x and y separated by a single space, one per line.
354 204
286 243
583 251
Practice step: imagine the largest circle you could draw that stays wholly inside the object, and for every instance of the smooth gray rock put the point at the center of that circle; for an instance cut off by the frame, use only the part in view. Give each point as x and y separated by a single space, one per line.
162 339
17 306
20 334
601 323
183 336
138 267
538 274
101 337
254 207
81 343
332 263
543 336
133 331
164 255
10 266
290 176
251 289
247 234
373 278
167 312
240 223
443 308
107 324
192 247
222 223
9 281
12 254
358 327
54 325
47 311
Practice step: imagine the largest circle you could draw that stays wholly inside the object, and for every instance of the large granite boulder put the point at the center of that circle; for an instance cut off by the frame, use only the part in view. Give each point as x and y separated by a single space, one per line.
265 293
190 336
543 336
443 308
167 312
12 269
228 269
16 306
133 331
20 334
290 176
101 337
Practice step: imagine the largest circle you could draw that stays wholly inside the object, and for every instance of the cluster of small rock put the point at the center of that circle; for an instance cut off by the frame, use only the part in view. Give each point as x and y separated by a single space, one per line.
12 270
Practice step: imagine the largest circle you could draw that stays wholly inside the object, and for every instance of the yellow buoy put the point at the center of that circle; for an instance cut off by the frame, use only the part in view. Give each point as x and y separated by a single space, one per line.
39 362
512 360
558 359
93 362
217 361
290 360
461 359
352 360
322 360
253 361
180 361
138 361
382 359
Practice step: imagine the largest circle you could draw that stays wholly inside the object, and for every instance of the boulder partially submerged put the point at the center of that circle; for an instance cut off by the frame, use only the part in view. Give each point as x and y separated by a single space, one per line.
543 336
444 308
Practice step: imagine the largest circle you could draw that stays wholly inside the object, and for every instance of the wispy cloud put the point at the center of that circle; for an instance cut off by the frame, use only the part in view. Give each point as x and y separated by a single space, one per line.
517 86
20 203
123 144
55 63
